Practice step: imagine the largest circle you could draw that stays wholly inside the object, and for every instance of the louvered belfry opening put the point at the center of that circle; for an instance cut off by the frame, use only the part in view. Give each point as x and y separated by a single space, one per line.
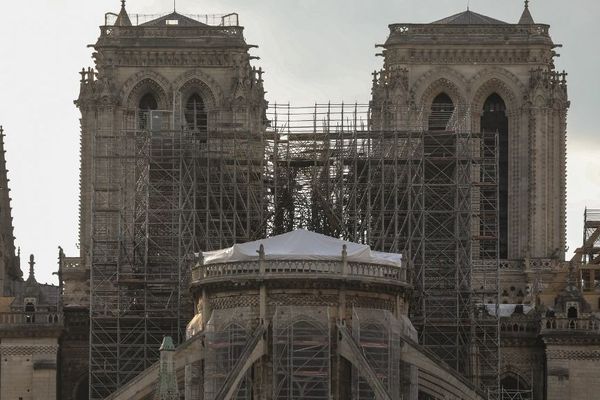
196 116
494 120
442 109
146 105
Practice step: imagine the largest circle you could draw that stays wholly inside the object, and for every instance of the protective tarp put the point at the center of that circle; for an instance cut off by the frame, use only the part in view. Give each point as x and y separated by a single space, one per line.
506 310
301 245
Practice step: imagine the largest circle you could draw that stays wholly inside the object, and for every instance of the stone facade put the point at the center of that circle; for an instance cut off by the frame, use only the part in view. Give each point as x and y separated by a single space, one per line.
10 271
176 75
515 61
281 326
170 83
29 339
29 368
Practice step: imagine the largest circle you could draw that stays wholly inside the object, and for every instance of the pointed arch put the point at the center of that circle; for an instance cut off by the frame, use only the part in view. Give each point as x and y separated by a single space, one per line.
512 379
442 108
194 113
494 119
437 80
197 81
439 86
500 81
143 83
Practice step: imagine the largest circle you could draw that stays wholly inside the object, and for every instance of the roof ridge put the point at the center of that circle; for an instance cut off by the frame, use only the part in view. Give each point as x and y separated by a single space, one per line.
469 17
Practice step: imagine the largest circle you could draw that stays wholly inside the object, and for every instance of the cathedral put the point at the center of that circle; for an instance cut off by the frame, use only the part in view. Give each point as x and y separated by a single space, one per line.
411 247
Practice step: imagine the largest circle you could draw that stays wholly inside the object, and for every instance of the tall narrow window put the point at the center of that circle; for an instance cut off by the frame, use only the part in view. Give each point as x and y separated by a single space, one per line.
146 105
494 120
441 112
195 113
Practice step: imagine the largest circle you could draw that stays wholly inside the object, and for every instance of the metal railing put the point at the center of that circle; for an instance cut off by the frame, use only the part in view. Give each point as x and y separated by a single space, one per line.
231 19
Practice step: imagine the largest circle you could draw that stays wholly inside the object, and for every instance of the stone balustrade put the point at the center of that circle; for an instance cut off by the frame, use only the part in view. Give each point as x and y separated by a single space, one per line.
387 273
510 327
448 29
591 325
31 318
171 31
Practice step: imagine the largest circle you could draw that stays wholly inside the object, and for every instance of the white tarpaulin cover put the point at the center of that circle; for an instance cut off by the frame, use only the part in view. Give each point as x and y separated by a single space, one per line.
301 245
506 310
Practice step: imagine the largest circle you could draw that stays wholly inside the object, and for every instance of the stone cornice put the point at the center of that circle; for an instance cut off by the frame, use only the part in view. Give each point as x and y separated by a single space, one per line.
18 350
536 34
184 58
573 354
500 56
571 338
30 331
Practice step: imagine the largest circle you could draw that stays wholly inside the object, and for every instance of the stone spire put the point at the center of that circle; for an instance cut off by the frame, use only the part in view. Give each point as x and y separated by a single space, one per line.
31 277
9 266
123 18
167 376
526 18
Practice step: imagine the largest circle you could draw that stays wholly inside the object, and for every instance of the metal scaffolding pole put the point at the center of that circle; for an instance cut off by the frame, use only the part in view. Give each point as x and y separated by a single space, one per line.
428 190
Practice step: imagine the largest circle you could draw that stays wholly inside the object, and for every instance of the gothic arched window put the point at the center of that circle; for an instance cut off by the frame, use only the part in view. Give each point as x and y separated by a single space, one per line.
195 113
146 104
513 386
441 112
494 120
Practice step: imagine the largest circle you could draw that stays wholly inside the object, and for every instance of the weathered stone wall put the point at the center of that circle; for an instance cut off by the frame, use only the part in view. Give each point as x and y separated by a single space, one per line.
572 372
28 368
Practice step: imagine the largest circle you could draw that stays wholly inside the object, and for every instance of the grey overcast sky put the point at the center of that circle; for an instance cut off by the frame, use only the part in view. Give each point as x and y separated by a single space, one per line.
312 50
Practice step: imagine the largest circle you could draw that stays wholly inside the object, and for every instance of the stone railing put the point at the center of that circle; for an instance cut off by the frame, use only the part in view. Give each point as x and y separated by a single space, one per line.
591 325
171 31
511 327
510 265
295 267
544 264
31 318
429 29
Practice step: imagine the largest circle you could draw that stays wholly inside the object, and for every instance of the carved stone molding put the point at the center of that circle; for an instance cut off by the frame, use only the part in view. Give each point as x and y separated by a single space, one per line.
197 80
138 84
573 355
438 80
464 56
173 58
26 350
497 80
229 302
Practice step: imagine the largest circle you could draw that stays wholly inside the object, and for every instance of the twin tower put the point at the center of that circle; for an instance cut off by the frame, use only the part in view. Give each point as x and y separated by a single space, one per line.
458 163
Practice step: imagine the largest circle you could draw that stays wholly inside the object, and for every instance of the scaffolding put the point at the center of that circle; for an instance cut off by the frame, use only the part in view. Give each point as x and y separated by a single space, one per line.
588 255
226 336
301 353
428 190
591 236
163 190
378 338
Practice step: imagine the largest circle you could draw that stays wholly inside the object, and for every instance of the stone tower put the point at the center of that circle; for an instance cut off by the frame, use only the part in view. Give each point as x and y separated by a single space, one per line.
10 271
507 81
171 164
458 80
